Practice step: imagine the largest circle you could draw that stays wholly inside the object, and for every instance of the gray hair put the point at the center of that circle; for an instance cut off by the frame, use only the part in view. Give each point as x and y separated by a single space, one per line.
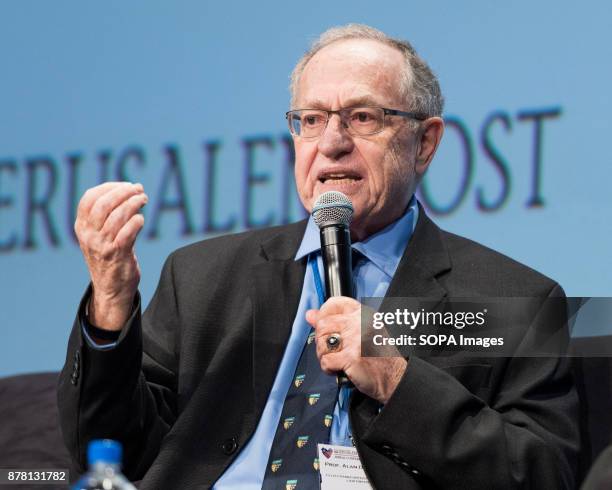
420 85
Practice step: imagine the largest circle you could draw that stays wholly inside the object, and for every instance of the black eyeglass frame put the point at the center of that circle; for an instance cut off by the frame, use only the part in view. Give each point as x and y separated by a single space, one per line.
418 116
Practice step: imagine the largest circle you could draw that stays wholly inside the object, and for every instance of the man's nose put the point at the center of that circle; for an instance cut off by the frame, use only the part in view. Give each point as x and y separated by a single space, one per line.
335 140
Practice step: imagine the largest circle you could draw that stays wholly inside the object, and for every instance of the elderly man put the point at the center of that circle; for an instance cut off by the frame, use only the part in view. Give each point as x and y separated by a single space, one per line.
212 386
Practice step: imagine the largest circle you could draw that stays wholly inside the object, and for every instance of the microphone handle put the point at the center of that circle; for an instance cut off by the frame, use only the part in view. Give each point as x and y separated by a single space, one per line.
338 268
337 262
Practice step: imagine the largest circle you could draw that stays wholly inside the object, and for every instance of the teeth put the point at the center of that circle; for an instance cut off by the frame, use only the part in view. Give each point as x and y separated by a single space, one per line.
339 178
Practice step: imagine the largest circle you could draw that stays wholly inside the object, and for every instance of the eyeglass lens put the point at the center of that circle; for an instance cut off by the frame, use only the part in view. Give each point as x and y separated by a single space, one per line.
310 123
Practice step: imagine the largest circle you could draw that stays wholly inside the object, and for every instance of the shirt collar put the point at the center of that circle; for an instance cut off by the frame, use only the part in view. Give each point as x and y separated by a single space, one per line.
384 249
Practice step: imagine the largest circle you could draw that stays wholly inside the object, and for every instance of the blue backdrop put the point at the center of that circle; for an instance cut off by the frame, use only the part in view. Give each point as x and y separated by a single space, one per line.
189 99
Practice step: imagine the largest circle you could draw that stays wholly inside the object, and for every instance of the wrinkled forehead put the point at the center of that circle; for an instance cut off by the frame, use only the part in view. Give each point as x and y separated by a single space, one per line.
352 72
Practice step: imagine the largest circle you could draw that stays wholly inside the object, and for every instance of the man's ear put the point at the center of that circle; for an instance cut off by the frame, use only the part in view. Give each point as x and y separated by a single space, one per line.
430 135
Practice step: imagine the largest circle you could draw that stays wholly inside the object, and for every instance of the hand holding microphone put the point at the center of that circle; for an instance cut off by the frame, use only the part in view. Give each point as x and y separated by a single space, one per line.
332 212
338 322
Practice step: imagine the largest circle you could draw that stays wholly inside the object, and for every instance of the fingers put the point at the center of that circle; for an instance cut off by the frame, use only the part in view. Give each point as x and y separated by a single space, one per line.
346 326
107 223
105 209
91 195
108 201
326 325
122 214
339 304
332 362
333 306
341 316
312 316
347 320
127 234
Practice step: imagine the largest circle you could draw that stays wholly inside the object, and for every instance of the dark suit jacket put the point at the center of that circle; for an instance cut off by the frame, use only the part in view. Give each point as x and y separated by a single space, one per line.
186 385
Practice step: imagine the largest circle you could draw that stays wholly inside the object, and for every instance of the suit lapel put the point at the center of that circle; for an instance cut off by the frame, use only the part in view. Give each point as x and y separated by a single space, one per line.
423 262
276 289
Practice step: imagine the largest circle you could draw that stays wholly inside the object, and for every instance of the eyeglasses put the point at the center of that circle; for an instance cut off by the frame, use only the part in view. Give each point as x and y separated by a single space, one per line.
360 121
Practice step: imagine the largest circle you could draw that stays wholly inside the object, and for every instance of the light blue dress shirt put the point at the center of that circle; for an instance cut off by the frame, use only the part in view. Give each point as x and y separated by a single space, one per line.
372 277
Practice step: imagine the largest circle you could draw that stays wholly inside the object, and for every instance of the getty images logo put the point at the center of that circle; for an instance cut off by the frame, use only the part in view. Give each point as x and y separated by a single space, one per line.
413 319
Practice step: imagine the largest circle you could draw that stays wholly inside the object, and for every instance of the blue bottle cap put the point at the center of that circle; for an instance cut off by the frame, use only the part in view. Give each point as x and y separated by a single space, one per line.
104 450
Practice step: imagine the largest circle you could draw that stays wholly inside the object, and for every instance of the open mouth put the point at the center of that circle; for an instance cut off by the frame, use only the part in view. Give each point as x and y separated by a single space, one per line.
339 178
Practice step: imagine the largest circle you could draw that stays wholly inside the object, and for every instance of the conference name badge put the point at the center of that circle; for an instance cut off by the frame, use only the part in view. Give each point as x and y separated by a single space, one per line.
340 468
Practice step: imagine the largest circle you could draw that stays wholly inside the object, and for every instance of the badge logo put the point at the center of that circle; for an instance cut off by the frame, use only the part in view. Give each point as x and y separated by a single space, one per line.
276 464
302 441
299 379
327 452
288 422
291 484
313 398
311 338
327 421
315 464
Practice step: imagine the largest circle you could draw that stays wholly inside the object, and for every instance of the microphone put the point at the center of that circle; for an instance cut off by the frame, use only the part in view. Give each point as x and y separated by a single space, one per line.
332 212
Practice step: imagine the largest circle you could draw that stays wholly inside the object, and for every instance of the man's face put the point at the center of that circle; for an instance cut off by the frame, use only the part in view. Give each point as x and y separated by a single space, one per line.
376 172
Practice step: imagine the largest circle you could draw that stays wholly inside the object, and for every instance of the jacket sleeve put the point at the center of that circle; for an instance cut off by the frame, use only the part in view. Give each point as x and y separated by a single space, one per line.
119 393
442 435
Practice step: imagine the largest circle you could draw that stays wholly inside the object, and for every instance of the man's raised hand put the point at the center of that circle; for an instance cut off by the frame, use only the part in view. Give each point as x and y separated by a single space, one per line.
106 227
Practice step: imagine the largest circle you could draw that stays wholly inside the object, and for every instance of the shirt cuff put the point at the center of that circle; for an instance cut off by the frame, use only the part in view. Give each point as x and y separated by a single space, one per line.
88 330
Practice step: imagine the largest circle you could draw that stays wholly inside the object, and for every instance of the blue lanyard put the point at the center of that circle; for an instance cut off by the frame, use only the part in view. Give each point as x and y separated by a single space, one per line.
312 260
345 390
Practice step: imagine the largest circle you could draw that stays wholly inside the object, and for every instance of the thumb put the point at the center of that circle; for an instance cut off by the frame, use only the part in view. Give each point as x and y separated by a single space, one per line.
312 316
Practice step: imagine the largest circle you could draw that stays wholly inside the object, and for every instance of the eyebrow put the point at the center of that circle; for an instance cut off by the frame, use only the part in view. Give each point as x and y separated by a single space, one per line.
365 100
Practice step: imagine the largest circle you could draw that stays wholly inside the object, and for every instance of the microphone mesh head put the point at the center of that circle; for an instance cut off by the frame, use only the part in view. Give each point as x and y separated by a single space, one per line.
332 207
